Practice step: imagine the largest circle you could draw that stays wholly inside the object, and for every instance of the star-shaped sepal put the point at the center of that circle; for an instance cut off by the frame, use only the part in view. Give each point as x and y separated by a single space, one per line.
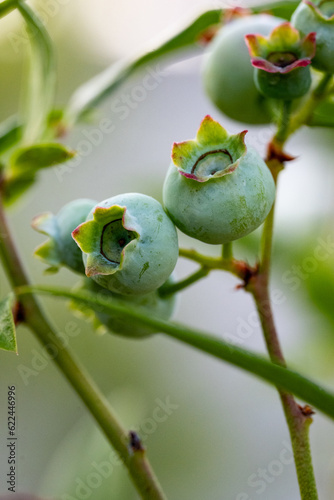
212 154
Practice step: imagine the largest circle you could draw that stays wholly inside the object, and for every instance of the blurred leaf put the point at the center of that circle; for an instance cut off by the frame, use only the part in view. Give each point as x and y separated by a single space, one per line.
40 156
320 287
7 326
40 86
94 91
278 9
14 187
10 134
323 116
7 6
101 86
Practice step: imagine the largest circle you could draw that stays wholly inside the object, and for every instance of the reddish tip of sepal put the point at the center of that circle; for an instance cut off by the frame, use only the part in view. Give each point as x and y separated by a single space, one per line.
242 136
76 232
207 118
191 176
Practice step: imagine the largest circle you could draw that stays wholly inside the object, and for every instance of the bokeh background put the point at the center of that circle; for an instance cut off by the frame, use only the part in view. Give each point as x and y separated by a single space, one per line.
223 428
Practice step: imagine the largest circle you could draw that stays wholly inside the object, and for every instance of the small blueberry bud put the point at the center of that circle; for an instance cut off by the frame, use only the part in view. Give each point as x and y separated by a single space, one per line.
129 244
281 62
216 189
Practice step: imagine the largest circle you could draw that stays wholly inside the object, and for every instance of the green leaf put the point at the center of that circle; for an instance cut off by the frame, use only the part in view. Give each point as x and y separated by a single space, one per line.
33 158
14 187
323 116
7 6
278 9
40 84
7 326
10 134
284 378
101 86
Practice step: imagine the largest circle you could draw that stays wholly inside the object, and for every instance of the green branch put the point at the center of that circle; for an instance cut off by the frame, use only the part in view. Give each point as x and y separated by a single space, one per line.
289 380
170 289
304 116
226 263
297 418
7 6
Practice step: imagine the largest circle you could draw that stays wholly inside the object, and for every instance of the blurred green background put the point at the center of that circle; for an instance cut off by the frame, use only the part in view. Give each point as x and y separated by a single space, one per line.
223 427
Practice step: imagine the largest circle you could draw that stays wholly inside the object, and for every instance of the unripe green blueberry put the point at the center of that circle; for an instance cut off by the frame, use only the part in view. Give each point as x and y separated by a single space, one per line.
216 189
281 62
129 244
60 249
318 16
150 304
228 75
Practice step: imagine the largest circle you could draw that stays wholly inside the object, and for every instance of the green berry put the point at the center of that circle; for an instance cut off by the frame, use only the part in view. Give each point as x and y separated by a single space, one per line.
129 244
216 189
281 62
60 249
151 304
319 17
228 74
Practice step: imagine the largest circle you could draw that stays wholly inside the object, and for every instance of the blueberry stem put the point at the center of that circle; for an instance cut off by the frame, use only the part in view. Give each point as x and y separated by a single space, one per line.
170 289
304 115
228 251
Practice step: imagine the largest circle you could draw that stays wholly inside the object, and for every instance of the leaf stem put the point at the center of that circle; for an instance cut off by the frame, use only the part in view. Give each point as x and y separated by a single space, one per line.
134 459
278 375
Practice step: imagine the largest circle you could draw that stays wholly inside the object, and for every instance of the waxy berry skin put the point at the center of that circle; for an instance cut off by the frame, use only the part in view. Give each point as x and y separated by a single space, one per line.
282 62
129 244
217 190
228 75
318 17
